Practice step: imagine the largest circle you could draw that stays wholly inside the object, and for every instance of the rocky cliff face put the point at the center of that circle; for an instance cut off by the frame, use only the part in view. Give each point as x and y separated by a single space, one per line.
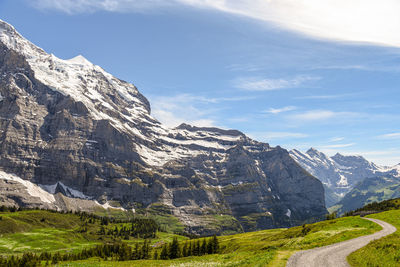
75 131
339 174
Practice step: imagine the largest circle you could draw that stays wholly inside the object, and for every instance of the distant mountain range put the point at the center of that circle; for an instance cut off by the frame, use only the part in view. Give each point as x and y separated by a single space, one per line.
343 176
72 136
369 190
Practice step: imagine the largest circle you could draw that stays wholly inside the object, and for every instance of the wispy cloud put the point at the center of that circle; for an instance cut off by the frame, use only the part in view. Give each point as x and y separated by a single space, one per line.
370 67
184 108
319 97
90 6
320 115
338 146
367 21
390 136
336 139
188 108
243 67
267 136
280 110
262 84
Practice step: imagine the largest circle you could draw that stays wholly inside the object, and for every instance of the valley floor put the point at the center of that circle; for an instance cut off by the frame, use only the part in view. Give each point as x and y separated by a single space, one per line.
262 248
27 232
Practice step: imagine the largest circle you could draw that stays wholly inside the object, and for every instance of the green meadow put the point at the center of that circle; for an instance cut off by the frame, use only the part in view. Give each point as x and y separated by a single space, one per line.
261 248
43 231
383 252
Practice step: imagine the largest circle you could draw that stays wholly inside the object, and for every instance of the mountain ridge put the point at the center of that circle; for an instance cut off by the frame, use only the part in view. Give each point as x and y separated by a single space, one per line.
70 124
339 173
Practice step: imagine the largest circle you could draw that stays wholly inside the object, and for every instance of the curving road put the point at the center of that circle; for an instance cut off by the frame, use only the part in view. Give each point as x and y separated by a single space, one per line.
335 255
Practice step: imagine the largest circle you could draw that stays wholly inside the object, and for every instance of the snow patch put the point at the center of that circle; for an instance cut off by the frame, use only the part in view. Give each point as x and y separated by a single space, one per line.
343 181
31 188
68 190
108 206
288 213
80 60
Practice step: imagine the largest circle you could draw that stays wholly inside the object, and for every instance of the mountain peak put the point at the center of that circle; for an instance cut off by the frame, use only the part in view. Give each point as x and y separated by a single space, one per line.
4 26
313 151
80 60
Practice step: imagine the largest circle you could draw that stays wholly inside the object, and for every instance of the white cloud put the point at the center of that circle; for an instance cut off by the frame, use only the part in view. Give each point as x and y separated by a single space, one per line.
90 6
257 84
267 136
187 108
183 108
320 115
369 21
390 136
280 110
338 146
336 139
319 97
243 67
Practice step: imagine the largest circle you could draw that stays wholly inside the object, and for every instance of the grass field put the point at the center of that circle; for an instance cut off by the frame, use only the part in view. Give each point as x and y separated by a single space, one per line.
38 231
383 252
43 231
261 248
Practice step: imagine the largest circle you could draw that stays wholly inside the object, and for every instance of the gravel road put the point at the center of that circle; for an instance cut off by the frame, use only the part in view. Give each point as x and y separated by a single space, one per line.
335 255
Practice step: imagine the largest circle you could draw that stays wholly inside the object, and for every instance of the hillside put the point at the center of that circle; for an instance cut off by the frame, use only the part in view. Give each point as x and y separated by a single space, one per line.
370 190
385 251
37 231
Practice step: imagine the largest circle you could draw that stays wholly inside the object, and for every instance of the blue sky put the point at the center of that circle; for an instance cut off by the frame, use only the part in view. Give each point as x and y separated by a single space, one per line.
297 74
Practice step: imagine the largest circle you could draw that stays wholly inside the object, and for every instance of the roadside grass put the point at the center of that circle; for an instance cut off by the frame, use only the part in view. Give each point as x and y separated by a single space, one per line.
261 248
383 252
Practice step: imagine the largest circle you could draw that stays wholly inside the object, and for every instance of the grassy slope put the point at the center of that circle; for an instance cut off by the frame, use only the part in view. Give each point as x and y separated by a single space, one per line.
263 248
382 252
369 190
26 231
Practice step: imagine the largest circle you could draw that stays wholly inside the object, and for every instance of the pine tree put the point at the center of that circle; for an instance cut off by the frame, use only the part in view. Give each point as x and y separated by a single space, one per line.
193 248
185 250
203 248
210 247
197 248
215 244
174 249
164 253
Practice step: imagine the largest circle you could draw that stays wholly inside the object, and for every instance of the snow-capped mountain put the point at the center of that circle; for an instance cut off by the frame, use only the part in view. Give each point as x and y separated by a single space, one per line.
339 174
70 128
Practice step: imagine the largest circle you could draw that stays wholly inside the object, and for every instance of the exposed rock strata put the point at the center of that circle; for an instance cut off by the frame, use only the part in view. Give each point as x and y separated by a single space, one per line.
69 121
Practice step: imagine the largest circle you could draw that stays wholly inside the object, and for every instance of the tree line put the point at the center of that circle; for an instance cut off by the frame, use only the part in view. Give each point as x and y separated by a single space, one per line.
119 252
374 207
190 248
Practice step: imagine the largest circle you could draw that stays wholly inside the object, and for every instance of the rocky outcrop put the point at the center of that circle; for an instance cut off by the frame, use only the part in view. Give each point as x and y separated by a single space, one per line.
76 131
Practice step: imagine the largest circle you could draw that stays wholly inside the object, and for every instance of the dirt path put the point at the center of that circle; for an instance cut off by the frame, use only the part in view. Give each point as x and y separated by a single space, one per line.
335 255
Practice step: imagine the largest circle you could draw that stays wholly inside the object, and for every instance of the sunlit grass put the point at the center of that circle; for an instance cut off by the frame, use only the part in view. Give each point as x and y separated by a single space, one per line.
383 252
262 248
